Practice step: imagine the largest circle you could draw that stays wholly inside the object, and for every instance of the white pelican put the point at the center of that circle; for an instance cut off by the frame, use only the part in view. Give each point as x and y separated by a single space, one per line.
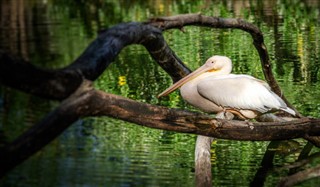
212 88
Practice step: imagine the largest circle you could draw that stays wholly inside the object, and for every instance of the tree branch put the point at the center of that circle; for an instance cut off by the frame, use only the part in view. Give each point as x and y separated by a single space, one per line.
52 84
300 177
104 104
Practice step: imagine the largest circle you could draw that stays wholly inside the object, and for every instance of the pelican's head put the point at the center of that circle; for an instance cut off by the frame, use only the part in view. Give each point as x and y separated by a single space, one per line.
217 65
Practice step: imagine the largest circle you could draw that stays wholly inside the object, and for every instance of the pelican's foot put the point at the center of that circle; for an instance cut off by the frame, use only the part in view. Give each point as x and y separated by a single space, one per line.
225 115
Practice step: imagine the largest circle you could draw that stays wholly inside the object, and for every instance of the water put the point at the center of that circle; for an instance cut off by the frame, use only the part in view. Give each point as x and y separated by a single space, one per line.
108 152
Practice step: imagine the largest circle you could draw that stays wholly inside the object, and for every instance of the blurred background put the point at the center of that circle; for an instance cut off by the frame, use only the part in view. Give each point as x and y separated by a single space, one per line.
109 152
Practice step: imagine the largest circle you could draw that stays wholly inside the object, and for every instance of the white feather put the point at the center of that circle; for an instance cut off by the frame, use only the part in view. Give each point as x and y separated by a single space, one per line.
240 92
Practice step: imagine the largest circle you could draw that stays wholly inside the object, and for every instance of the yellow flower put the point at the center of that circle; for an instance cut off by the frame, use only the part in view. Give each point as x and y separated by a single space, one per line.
122 80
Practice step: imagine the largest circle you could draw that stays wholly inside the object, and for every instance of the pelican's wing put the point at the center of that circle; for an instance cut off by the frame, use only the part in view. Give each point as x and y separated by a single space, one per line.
241 92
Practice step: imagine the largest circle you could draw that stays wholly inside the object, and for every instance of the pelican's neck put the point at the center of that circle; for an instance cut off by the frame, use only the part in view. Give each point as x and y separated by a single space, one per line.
225 70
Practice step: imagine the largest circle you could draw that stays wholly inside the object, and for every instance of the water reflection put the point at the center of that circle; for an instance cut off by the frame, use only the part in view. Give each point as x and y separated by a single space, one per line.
125 156
108 152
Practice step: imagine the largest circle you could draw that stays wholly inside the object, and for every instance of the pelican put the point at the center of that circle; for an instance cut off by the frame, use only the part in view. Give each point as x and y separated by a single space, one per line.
213 89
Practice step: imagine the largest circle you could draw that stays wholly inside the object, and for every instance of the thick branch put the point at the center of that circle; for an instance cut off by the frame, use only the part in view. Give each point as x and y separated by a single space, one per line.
45 131
52 84
197 123
110 42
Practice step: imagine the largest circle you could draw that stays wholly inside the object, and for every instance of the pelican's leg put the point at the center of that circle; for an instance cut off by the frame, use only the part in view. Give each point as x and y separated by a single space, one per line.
228 115
220 115
225 114
236 113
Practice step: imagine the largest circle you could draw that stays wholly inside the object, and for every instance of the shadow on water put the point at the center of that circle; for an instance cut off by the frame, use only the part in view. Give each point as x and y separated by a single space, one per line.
109 152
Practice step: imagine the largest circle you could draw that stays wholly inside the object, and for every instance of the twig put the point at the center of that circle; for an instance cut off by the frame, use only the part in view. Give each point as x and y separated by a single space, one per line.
300 177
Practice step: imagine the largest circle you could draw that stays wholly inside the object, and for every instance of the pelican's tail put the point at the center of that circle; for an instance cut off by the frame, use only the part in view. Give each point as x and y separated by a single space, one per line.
288 110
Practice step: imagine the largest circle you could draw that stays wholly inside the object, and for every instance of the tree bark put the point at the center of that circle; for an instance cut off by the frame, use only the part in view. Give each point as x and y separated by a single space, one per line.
203 173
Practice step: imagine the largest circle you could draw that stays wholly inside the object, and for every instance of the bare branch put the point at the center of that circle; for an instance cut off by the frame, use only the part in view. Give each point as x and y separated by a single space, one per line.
196 123
300 177
51 84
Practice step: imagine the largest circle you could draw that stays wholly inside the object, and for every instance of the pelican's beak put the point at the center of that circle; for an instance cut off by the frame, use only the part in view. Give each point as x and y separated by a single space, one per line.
185 79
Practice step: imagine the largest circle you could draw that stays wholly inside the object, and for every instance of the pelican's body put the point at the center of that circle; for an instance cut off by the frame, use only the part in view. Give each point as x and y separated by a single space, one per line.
213 89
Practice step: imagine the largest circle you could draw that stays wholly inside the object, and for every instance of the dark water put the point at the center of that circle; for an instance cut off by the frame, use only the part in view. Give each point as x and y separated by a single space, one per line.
109 152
